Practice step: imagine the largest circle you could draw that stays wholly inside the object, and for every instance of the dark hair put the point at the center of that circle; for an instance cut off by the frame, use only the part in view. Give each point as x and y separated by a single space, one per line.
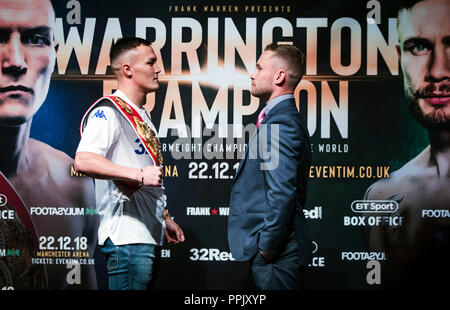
294 58
125 44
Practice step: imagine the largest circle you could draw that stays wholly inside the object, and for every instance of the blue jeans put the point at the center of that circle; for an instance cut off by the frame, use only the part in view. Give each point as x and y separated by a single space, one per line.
130 266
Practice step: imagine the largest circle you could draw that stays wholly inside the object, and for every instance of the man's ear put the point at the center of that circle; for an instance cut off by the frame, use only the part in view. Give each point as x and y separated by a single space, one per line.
280 77
126 70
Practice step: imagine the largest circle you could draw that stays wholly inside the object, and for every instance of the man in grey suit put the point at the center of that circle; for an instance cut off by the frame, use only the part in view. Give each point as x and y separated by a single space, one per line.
266 225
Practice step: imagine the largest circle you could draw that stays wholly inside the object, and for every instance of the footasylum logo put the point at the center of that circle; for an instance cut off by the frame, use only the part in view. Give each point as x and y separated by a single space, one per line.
66 211
363 256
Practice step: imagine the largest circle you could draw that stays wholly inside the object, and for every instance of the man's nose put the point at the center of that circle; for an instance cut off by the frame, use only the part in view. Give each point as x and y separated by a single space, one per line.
439 68
13 57
157 69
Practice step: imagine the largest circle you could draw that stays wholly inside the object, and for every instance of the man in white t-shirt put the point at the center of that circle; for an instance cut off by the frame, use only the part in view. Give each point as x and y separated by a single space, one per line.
119 148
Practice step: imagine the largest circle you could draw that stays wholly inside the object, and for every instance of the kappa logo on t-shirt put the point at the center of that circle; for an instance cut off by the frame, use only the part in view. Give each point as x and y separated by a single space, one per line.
99 114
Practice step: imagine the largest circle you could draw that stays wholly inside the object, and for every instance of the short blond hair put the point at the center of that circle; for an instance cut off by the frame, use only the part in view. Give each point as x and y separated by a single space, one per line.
294 58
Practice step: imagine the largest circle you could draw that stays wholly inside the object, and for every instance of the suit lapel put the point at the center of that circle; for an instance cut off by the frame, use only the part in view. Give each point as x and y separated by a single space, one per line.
244 158
265 120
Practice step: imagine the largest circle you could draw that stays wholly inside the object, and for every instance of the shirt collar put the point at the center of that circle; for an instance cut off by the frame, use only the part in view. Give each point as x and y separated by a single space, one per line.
142 112
273 102
122 96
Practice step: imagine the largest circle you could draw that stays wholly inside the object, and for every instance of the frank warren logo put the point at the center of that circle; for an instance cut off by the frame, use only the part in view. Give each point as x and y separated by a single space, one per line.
62 211
207 211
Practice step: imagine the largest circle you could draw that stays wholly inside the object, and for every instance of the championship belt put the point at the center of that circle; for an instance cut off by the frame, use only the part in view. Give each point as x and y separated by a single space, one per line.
18 238
145 134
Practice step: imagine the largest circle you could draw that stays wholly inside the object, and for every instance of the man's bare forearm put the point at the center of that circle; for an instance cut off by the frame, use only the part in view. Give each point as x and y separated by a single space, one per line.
98 167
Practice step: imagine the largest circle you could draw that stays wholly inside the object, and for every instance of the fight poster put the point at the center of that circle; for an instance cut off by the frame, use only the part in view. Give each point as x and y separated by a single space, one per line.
353 95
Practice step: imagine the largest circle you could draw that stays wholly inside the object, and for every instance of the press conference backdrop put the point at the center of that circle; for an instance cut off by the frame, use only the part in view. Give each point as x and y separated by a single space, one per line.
351 95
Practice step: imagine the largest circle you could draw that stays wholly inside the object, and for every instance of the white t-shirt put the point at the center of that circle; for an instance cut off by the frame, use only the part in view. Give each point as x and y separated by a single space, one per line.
124 219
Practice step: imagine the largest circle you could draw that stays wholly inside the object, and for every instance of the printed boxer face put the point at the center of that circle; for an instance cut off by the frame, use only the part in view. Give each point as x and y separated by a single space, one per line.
424 34
27 56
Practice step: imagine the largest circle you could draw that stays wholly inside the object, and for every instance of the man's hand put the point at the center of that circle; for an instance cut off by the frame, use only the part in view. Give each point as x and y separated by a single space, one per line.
152 176
174 234
265 255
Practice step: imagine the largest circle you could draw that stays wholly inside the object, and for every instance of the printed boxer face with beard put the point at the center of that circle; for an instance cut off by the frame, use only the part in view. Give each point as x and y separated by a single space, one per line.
424 35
